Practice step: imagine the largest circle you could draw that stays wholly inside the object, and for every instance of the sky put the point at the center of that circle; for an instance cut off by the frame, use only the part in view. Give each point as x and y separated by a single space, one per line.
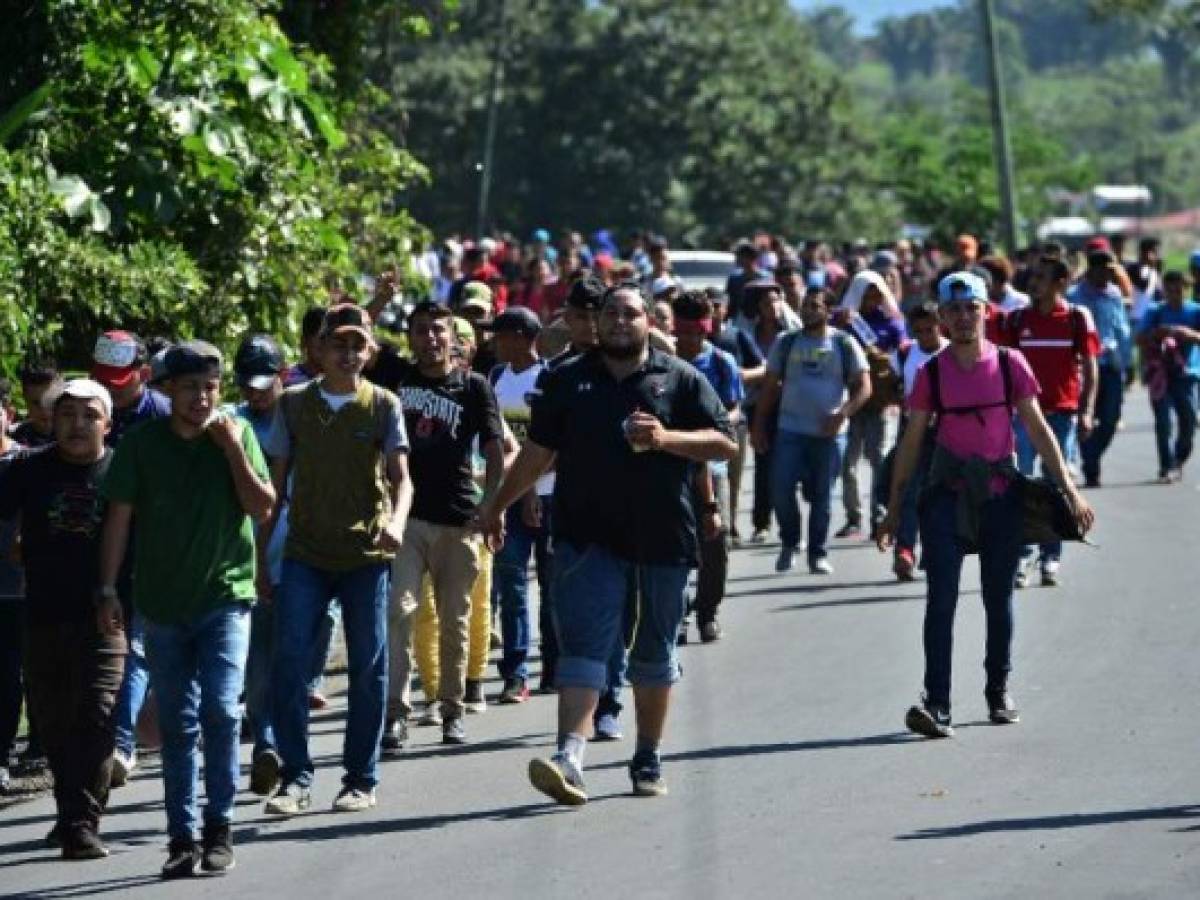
868 11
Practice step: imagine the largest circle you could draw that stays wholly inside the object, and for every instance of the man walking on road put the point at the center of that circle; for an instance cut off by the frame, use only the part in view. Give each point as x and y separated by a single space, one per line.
817 379
1059 342
628 424
970 503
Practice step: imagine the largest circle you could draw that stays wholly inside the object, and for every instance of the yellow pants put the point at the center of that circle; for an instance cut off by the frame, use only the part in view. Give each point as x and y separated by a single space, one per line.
425 629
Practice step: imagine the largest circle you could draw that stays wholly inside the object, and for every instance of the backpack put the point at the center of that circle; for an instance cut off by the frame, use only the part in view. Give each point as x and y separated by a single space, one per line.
935 390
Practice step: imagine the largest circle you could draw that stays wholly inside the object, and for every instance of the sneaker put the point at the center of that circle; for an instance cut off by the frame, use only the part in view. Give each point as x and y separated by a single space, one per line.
83 843
432 715
317 701
5 779
122 767
354 800
785 561
559 779
1050 573
395 736
1000 707
710 632
606 727
216 854
1091 481
849 530
182 857
905 565
1022 579
681 636
53 838
473 699
495 641
289 800
646 775
453 731
264 772
930 719
759 536
820 566
516 690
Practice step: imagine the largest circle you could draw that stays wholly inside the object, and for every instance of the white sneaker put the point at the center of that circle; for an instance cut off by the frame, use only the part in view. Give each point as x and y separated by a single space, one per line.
1050 573
289 800
122 767
353 800
1022 579
821 566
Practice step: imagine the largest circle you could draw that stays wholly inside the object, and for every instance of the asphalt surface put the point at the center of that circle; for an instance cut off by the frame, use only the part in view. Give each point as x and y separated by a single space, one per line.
789 768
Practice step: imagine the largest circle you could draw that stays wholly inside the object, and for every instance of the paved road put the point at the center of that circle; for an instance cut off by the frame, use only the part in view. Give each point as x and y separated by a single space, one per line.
789 769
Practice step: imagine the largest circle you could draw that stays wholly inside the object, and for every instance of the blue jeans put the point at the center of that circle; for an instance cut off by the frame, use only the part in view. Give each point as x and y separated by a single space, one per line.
197 672
999 555
510 586
814 464
322 645
1110 394
301 603
134 685
1064 426
1180 399
591 590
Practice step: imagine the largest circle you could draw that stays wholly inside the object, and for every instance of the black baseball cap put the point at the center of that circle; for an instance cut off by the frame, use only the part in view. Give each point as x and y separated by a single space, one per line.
258 362
192 358
586 293
516 320
347 317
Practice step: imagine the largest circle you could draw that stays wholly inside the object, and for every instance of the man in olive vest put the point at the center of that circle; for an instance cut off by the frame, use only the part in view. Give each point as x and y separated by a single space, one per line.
344 449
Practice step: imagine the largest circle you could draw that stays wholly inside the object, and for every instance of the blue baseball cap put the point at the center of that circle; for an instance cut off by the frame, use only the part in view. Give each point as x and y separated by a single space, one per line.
962 286
541 236
1194 259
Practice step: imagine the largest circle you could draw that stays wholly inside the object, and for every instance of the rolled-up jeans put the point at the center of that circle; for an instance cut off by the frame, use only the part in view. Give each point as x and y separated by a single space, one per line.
999 555
197 670
304 595
591 589
813 463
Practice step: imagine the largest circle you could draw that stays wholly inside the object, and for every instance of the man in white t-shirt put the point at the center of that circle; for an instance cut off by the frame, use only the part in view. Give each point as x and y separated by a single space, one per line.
527 525
927 341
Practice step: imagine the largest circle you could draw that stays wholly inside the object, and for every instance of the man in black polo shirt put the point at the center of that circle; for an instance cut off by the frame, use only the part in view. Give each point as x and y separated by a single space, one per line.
628 424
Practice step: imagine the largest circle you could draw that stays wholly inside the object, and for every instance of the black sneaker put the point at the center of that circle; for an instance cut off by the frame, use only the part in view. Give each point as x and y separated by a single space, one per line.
645 771
395 736
453 731
929 719
82 842
264 772
849 530
182 857
710 631
217 855
473 699
1000 707
53 838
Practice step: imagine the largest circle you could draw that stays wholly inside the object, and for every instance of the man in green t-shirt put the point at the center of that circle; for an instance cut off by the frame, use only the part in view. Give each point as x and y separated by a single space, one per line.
196 483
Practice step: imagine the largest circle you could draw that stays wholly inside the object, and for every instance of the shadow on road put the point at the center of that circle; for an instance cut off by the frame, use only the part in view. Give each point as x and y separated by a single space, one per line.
811 588
91 888
1047 823
737 751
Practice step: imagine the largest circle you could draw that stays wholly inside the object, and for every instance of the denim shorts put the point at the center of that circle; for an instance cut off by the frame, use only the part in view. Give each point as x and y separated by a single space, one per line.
590 588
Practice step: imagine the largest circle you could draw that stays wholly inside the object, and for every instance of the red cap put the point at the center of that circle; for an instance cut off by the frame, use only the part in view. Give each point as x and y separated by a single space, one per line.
1099 242
117 359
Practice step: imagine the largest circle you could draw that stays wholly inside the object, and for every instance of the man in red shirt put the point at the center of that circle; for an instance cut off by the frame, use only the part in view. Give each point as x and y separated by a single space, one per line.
1060 342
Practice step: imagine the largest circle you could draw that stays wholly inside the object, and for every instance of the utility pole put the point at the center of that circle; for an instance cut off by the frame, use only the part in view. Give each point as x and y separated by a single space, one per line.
489 139
1008 199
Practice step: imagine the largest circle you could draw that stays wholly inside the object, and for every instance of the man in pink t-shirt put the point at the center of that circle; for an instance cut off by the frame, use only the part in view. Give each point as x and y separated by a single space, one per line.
970 503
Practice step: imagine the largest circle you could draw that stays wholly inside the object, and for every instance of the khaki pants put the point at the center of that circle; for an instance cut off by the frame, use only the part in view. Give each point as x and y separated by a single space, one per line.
450 557
427 636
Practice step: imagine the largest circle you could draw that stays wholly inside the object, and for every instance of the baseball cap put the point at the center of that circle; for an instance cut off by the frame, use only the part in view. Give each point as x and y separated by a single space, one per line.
347 317
541 236
516 320
258 362
192 358
80 388
662 284
477 295
586 293
463 330
962 286
883 260
1099 242
117 358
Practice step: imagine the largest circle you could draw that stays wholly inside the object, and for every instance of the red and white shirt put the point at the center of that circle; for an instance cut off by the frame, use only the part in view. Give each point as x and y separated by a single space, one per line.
1055 344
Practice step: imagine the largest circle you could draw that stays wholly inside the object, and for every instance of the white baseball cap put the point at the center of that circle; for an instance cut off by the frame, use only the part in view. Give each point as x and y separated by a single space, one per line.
80 389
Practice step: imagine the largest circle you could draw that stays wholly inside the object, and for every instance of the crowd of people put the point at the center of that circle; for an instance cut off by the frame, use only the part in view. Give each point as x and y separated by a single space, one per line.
572 404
